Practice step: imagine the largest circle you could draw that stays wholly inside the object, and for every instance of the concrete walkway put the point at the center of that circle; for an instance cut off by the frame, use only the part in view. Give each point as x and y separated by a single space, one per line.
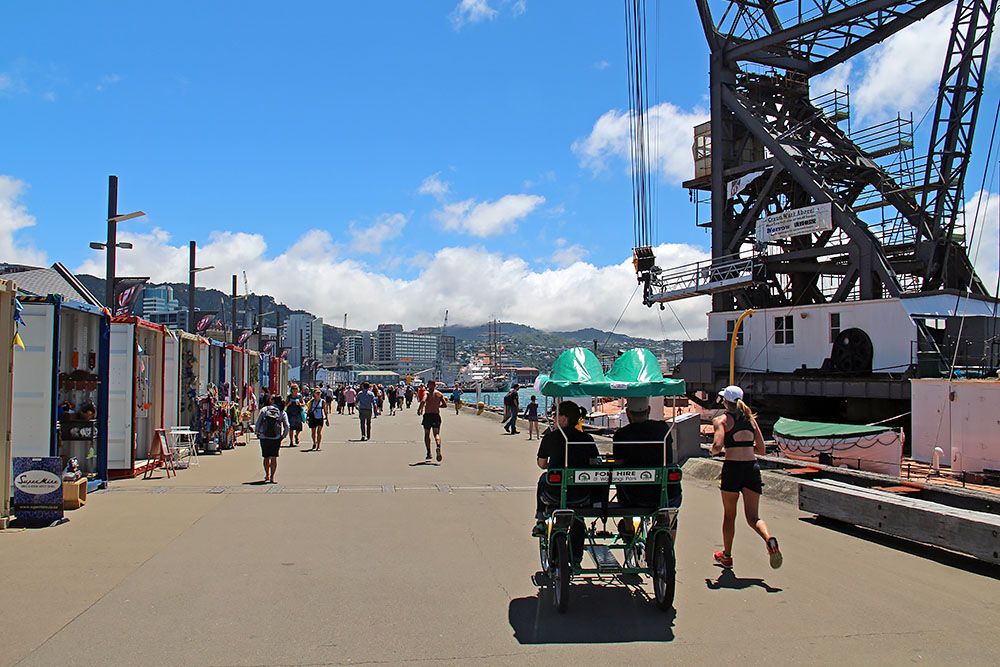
363 554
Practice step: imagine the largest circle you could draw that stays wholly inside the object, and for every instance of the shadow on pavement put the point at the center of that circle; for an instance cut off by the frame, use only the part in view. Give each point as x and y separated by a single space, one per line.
729 580
936 554
425 463
259 482
597 614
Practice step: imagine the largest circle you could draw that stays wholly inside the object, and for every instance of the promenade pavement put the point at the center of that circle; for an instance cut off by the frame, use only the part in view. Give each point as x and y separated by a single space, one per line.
361 554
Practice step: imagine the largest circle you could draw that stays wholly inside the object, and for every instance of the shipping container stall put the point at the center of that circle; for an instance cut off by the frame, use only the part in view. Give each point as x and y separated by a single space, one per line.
7 309
253 372
265 373
237 357
182 383
60 396
283 369
136 395
203 346
216 363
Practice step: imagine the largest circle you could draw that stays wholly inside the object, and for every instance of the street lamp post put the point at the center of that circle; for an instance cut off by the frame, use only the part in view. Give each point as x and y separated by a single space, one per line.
112 244
192 270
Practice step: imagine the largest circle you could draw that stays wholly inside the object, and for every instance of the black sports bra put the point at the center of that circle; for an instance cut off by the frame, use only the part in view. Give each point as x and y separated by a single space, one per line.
741 423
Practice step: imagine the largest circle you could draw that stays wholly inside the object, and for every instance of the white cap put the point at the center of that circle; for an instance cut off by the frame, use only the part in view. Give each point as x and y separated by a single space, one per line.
638 403
732 393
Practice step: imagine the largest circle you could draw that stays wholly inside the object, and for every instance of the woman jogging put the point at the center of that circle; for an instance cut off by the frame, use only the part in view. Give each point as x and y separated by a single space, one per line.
737 433
293 408
316 411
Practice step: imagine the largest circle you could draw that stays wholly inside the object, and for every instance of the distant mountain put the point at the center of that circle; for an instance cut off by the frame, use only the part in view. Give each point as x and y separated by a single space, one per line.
554 338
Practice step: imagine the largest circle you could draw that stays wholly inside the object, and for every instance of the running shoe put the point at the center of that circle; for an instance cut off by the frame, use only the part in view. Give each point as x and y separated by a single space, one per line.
439 457
539 529
774 553
722 559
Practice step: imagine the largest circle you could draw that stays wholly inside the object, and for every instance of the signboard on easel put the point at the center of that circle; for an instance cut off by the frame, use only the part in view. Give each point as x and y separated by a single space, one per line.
38 489
795 222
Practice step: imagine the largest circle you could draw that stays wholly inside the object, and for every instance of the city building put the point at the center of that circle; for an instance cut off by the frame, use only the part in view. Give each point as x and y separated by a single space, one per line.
302 334
358 349
446 345
404 353
161 307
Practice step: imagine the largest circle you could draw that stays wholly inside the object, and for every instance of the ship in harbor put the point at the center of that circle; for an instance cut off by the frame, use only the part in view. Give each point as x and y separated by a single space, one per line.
840 266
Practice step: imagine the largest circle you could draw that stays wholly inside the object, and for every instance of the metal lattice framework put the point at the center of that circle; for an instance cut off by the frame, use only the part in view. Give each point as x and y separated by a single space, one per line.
896 217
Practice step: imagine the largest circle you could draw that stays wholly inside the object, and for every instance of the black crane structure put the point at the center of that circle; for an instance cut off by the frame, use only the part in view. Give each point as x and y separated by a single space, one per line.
897 218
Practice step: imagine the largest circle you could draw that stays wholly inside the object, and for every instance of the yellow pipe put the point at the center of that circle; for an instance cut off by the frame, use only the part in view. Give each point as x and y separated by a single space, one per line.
732 344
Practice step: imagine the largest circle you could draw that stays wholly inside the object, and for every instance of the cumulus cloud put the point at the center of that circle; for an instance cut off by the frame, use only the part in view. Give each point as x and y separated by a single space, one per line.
572 297
985 253
472 11
434 186
488 218
14 217
671 135
902 73
567 255
368 238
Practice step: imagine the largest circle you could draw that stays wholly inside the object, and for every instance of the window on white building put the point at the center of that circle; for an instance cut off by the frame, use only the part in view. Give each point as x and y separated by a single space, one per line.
784 330
834 326
730 325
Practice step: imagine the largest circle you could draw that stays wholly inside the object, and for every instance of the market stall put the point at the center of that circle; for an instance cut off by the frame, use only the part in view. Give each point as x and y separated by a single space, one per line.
7 311
136 395
182 380
60 395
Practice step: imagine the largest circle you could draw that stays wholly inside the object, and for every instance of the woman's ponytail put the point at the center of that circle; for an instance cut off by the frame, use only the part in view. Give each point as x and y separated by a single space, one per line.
745 409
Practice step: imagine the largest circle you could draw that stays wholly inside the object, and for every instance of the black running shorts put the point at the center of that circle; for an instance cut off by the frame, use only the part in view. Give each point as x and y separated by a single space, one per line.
739 475
431 420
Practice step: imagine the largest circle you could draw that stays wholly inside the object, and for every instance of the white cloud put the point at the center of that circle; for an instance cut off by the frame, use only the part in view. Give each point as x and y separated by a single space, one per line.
49 96
368 238
107 81
472 11
488 218
602 64
520 7
5 82
573 297
567 255
14 216
836 79
671 134
902 73
985 254
434 186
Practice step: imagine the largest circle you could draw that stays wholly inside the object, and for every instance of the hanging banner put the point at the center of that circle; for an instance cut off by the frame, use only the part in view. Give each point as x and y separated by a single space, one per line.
269 347
203 319
127 291
738 185
795 222
244 336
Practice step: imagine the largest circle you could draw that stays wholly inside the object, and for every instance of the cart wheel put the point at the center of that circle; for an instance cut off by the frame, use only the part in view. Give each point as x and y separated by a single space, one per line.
664 571
543 553
561 573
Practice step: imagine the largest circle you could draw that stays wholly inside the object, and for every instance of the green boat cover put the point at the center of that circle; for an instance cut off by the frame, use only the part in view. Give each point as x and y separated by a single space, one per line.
577 372
801 430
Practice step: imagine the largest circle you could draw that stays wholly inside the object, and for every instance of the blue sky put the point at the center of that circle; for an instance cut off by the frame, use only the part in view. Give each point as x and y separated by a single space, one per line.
371 158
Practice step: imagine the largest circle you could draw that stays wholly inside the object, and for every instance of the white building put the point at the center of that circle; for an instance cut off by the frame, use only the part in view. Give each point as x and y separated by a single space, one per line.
404 353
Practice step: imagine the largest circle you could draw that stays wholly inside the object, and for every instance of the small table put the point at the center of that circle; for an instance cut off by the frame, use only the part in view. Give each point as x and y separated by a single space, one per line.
186 439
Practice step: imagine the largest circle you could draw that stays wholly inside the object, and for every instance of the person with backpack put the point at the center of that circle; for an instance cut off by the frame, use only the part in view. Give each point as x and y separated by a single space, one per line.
316 415
511 408
271 427
390 394
294 405
408 395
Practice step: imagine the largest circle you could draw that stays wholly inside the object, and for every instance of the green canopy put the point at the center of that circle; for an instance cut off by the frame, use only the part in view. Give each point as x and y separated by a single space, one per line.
577 372
801 430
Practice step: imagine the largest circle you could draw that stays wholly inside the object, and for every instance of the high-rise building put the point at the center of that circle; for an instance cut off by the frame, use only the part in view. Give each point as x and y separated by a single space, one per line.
404 353
160 306
358 349
303 335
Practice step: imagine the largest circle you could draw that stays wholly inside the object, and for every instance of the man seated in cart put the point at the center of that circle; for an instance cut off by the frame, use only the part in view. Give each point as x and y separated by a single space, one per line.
552 455
640 444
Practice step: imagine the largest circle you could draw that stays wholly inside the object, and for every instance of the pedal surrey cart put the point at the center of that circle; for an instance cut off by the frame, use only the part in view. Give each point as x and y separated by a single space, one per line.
643 536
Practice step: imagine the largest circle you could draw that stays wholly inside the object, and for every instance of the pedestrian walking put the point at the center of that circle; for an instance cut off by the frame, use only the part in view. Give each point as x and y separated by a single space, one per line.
350 397
511 408
270 428
430 406
531 414
390 393
366 404
456 398
294 407
408 395
317 417
737 433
